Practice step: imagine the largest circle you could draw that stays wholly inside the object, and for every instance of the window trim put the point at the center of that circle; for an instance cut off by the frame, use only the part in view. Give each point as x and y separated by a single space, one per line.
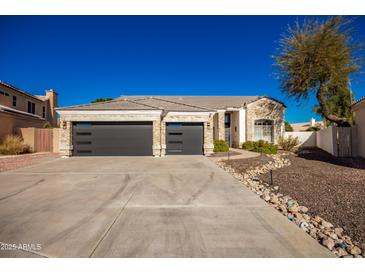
14 100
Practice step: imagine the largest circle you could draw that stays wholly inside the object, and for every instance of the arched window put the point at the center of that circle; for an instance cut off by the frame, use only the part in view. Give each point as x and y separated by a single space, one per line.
264 130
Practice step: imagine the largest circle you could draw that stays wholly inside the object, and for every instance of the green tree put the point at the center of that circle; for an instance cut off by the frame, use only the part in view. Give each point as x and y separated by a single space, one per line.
98 100
339 103
288 126
318 57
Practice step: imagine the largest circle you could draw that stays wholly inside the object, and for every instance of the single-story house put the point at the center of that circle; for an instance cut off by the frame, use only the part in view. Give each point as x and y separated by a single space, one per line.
358 109
160 125
20 109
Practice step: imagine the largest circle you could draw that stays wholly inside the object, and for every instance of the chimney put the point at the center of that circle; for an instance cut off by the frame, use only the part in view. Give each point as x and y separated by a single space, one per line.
312 122
52 95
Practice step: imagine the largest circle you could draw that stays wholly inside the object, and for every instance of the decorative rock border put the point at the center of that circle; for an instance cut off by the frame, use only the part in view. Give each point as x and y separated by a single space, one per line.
324 232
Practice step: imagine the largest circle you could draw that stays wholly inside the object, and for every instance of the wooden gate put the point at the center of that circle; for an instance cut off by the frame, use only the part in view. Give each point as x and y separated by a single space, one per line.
344 142
43 139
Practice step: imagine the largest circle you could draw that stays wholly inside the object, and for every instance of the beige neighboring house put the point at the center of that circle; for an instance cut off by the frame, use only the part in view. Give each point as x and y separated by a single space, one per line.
19 109
160 125
304 126
359 117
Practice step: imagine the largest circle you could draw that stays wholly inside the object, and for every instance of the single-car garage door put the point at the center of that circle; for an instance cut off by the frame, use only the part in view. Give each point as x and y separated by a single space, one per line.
112 139
184 138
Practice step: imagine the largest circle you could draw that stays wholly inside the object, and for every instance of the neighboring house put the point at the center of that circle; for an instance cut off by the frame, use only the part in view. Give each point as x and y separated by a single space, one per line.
19 109
159 125
304 126
359 110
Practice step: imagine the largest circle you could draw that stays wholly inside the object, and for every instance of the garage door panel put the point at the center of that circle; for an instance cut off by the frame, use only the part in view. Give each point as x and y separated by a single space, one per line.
112 139
184 139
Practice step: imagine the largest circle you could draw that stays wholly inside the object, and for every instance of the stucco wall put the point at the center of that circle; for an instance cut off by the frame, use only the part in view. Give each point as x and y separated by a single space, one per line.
360 128
264 109
49 101
306 139
326 140
10 122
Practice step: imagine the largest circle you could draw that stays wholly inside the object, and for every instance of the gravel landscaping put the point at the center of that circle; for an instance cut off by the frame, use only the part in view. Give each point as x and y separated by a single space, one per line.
322 194
18 161
330 187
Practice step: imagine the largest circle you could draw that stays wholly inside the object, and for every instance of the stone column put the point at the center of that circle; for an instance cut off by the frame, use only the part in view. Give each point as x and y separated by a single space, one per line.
65 145
208 136
221 130
163 138
156 138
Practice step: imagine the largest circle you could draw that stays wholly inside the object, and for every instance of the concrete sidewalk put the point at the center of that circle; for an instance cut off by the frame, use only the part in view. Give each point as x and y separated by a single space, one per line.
177 206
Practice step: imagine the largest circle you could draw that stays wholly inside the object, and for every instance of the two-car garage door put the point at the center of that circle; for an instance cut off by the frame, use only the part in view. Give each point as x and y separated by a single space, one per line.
134 138
112 139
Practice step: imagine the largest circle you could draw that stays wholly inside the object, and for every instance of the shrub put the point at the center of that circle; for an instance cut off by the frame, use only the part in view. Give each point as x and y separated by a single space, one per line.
13 145
288 143
47 125
220 146
260 146
313 129
288 126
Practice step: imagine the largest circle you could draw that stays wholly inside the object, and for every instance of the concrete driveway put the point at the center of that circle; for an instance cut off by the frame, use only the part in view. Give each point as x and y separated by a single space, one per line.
182 206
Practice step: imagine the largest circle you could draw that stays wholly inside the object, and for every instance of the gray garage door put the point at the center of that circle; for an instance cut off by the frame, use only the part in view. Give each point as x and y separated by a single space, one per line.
112 139
184 138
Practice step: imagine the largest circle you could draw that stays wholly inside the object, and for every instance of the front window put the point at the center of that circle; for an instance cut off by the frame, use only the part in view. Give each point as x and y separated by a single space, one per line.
31 107
44 112
14 101
264 130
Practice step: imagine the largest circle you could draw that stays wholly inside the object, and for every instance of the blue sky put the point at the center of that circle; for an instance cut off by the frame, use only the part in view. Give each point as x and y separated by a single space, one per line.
85 57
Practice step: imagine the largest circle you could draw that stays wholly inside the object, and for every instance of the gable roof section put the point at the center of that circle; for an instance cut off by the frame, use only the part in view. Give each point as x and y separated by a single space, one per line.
171 103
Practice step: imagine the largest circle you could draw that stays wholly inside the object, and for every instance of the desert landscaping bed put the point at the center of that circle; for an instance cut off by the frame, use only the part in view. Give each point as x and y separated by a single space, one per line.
321 193
11 162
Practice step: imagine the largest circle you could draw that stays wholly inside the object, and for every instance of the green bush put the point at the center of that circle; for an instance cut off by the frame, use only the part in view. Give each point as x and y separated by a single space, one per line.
13 145
313 129
288 143
220 146
288 126
260 146
47 125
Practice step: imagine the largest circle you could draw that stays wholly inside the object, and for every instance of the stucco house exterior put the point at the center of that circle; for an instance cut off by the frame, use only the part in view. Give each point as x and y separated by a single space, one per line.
163 125
359 117
19 109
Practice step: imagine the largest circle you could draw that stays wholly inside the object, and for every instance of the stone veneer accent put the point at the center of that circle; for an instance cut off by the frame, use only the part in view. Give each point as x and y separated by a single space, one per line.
264 109
220 125
65 135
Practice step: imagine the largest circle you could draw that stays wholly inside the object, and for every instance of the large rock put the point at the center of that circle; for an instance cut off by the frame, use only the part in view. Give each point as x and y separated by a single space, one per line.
326 224
303 209
293 208
341 252
355 250
274 199
338 231
328 242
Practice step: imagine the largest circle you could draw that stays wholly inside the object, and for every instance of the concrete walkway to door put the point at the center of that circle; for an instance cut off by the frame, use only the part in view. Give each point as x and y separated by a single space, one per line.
177 206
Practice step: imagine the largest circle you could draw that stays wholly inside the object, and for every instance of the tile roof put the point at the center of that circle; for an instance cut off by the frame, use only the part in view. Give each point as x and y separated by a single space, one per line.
170 103
117 104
